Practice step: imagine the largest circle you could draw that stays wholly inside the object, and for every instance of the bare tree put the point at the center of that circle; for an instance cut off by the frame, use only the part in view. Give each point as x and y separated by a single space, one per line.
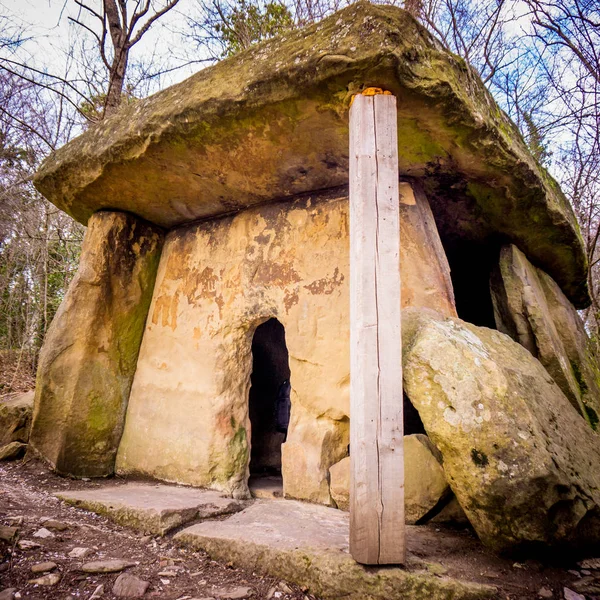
124 28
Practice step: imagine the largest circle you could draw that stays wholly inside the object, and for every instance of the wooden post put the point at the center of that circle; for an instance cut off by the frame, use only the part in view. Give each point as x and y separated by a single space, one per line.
376 427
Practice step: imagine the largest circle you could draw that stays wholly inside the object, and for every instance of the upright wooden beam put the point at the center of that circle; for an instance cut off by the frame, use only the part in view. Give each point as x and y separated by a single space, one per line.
376 427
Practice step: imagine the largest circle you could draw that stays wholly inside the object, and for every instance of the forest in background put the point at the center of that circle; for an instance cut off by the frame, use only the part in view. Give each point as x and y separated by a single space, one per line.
540 59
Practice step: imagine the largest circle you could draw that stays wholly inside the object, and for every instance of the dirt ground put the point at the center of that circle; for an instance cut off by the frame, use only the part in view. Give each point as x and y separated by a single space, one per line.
26 501
26 491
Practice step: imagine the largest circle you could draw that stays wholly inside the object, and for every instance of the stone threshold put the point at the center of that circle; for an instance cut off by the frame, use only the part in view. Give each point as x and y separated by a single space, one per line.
307 544
152 508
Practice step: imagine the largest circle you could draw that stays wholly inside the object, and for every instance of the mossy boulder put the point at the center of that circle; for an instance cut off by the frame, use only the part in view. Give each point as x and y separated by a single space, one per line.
530 307
523 464
272 122
89 356
12 451
15 417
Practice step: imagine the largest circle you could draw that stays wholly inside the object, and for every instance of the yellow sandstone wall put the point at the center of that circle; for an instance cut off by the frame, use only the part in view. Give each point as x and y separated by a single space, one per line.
187 419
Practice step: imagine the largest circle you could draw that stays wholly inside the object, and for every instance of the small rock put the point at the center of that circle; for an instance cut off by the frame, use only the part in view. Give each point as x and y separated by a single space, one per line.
43 533
56 525
590 563
8 594
28 545
571 595
271 593
98 592
50 579
233 593
12 451
167 573
545 593
585 572
43 567
146 539
574 573
15 521
165 581
106 566
285 588
129 586
587 585
79 552
8 534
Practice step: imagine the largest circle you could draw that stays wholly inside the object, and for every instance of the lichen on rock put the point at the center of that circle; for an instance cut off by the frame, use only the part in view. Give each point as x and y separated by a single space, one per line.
530 307
90 352
521 461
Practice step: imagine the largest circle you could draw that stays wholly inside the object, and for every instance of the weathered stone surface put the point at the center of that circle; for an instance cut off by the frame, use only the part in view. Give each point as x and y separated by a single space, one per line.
79 552
424 480
90 352
425 270
106 566
15 417
521 461
233 592
531 308
43 567
46 580
280 109
129 586
149 508
339 483
307 544
12 451
8 534
451 513
43 533
216 282
8 593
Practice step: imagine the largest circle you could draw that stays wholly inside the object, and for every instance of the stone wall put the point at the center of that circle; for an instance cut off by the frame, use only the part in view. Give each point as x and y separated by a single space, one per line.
89 356
187 419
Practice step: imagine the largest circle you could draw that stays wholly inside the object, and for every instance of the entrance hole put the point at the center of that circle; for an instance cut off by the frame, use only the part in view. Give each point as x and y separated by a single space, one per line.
268 404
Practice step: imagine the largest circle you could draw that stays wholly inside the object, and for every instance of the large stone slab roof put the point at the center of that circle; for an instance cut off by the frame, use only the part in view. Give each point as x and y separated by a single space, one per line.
272 122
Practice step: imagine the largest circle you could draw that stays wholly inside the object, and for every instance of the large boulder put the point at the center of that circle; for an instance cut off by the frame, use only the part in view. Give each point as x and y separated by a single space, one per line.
272 123
523 464
425 485
531 308
426 278
15 417
89 356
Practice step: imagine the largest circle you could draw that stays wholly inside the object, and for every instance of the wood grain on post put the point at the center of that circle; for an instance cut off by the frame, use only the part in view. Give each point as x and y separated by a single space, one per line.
376 424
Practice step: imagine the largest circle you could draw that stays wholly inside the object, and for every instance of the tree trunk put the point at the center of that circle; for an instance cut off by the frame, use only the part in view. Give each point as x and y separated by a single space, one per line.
116 82
118 68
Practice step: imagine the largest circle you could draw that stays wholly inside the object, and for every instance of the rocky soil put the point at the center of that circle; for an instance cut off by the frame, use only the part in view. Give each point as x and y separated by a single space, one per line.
55 542
63 553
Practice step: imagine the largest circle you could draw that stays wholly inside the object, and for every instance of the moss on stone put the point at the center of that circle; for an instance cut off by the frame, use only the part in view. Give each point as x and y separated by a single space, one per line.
272 122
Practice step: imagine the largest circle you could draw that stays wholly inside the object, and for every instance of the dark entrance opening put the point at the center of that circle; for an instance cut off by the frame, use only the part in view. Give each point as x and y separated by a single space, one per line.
269 407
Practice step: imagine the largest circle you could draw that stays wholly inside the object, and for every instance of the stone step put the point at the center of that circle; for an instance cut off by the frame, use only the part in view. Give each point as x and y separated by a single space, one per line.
308 544
152 508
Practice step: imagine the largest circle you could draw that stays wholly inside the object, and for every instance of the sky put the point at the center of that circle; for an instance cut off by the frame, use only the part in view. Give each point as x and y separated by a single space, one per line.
46 23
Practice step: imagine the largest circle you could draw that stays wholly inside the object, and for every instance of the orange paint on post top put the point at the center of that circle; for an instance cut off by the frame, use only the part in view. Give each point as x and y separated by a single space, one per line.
371 91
